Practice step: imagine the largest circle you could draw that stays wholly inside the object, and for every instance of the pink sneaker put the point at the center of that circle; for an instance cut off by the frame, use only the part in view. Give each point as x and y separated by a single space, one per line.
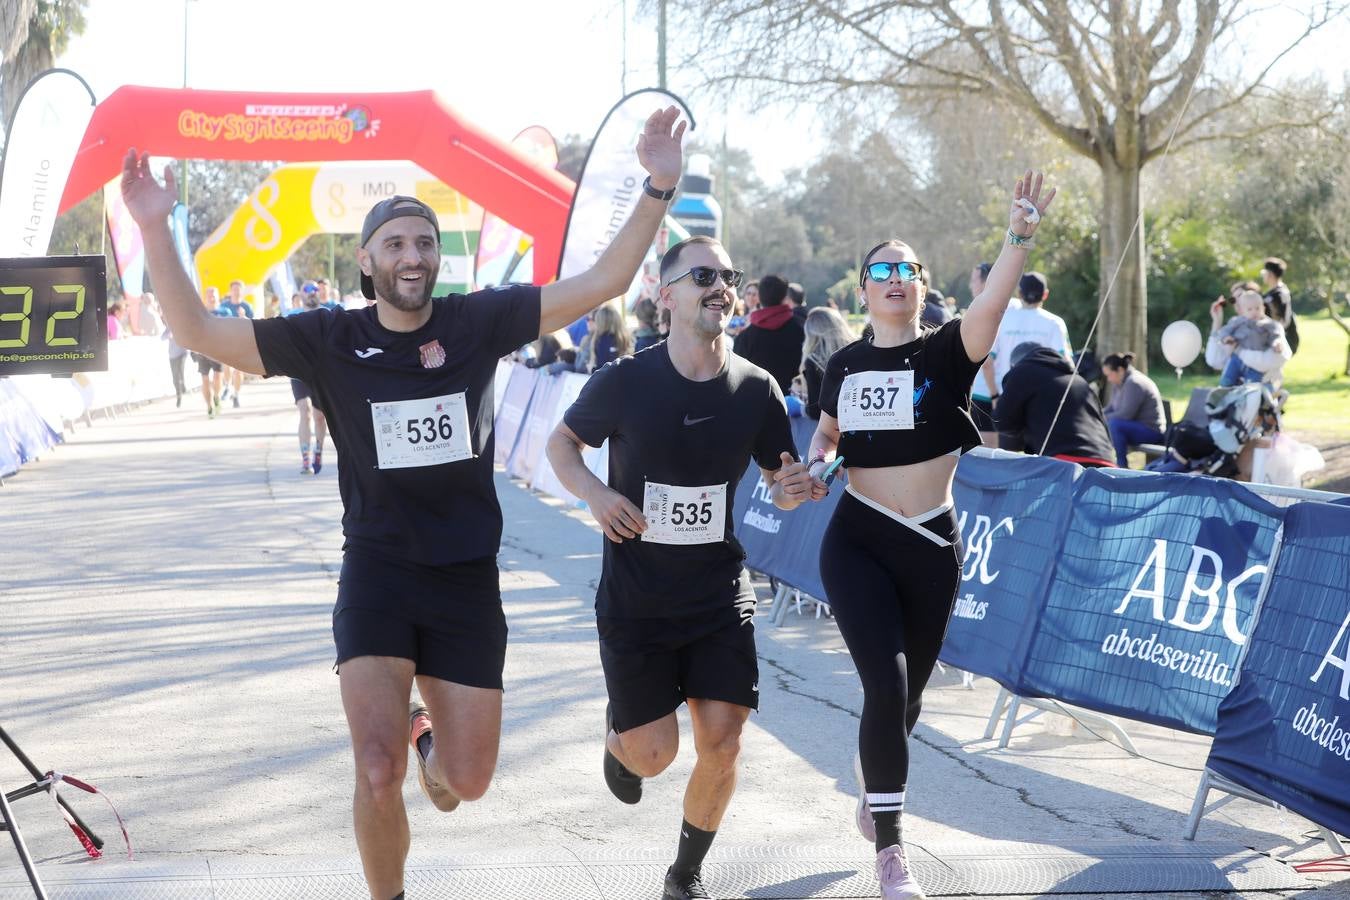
897 883
862 814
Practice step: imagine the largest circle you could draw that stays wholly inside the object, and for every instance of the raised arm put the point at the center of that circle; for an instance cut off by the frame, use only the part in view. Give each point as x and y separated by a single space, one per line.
980 324
658 149
226 340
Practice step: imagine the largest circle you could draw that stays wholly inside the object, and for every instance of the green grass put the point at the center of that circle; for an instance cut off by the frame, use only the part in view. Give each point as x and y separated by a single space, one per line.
1319 391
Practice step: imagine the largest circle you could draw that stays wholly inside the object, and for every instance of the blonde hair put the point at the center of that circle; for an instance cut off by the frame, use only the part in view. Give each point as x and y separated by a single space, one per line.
826 332
609 320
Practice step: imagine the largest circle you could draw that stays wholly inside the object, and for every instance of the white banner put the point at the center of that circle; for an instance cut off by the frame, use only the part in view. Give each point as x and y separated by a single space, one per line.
45 133
611 180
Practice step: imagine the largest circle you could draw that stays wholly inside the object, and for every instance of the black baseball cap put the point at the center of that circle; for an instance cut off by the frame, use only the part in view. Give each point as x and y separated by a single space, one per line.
393 208
1032 287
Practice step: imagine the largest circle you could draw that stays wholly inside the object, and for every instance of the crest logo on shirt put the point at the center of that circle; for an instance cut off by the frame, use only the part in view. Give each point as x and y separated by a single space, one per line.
433 355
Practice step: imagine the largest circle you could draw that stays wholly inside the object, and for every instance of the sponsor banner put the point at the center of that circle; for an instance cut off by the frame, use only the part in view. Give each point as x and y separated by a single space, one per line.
539 421
611 180
1284 731
1152 597
544 477
785 545
1013 515
178 228
127 246
504 251
44 137
512 409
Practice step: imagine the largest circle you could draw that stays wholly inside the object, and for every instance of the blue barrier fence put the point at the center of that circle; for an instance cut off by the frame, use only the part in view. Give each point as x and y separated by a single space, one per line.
1284 729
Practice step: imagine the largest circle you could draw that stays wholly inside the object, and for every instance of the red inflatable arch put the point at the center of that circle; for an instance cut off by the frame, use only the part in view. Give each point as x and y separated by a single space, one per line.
416 126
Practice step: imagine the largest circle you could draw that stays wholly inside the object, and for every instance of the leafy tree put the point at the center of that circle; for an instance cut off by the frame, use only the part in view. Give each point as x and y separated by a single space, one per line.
35 32
1113 81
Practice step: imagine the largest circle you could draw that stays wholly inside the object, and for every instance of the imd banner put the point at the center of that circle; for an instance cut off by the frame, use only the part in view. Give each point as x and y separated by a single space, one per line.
45 133
1013 515
1284 731
1152 597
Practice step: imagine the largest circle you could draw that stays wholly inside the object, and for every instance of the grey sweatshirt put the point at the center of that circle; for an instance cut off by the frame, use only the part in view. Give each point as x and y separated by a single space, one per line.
1136 399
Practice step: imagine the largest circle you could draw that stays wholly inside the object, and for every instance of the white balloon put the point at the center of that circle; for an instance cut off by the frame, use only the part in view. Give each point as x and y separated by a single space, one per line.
1181 343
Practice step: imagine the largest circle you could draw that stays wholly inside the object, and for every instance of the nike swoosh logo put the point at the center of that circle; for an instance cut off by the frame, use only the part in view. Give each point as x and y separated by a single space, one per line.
368 352
689 421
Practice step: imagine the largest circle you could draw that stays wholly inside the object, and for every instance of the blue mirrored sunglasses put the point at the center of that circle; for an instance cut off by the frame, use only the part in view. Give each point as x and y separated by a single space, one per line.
880 272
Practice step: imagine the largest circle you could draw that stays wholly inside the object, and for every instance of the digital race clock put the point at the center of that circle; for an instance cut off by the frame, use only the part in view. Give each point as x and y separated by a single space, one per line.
53 315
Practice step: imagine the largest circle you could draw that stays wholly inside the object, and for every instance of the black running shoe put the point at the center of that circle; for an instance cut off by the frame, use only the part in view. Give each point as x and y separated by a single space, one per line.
686 886
622 783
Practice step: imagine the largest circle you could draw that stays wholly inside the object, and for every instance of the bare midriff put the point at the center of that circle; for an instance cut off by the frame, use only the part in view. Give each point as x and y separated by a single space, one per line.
909 490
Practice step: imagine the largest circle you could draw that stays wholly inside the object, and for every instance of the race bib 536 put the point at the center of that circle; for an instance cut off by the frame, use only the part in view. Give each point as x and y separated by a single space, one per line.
421 432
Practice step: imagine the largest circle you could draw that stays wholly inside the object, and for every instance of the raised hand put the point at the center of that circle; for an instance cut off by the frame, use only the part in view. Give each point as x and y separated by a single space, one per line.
1028 205
148 201
659 150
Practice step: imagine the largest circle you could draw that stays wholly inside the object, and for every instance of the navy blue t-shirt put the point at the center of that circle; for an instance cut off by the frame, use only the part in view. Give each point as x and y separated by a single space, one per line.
437 513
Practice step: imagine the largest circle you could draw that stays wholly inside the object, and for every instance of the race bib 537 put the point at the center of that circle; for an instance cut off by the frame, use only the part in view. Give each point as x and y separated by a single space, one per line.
877 401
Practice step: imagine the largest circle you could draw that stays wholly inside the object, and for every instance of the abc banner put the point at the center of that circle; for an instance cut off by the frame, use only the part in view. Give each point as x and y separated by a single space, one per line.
785 545
1012 514
1152 598
1284 731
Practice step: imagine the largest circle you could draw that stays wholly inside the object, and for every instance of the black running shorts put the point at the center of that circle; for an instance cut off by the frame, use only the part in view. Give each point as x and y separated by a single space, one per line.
653 665
299 390
446 619
206 365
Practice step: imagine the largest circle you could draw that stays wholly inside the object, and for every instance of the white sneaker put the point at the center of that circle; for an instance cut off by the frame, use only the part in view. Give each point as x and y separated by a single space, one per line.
862 814
897 883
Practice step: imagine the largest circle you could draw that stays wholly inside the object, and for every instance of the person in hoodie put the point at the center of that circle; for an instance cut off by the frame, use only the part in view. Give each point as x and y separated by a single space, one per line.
773 339
1032 391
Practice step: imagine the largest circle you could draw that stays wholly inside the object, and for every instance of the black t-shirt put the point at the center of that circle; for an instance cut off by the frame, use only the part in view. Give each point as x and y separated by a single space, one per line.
943 374
668 430
418 507
778 350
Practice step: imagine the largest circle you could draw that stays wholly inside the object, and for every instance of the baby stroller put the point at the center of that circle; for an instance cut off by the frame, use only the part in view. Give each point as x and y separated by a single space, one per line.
1235 415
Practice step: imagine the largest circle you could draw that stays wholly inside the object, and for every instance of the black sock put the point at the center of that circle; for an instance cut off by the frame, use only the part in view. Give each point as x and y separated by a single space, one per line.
694 845
399 896
423 748
888 829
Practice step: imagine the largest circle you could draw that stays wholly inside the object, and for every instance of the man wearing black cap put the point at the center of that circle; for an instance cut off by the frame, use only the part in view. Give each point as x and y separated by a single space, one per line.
407 385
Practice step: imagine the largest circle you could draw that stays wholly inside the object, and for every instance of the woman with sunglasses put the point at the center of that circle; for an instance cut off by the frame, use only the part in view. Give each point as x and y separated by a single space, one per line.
896 406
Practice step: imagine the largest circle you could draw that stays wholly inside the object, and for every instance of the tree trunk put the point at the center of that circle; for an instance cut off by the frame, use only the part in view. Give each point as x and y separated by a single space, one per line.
33 58
1124 324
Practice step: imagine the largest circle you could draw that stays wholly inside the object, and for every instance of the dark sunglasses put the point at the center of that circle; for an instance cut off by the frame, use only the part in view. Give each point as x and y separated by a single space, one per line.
706 276
880 272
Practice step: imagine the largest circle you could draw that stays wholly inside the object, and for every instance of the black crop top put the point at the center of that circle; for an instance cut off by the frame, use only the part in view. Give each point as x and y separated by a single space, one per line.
943 374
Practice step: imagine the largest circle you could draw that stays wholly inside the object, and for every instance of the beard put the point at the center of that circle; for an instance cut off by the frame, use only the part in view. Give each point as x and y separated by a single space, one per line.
704 325
400 295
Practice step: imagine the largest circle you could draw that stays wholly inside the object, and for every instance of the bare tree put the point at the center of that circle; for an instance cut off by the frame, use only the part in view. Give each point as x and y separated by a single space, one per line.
1115 80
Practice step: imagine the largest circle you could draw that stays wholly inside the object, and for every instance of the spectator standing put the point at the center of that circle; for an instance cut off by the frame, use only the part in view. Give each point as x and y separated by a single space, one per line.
797 297
826 332
1030 323
1135 413
773 339
647 333
609 336
1279 304
1031 408
935 310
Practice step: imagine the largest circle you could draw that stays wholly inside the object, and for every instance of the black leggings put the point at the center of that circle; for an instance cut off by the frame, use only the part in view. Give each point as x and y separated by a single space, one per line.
891 589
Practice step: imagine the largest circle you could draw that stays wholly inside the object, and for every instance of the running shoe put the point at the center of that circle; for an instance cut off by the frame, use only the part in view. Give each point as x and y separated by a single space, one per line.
862 814
235 399
687 886
622 783
897 882
419 723
318 461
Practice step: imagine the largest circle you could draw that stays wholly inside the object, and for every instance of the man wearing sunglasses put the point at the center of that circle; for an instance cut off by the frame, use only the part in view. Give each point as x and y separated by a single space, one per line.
773 339
674 604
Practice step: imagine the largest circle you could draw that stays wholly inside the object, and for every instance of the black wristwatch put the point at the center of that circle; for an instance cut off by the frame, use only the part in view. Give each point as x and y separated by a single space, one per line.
664 196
